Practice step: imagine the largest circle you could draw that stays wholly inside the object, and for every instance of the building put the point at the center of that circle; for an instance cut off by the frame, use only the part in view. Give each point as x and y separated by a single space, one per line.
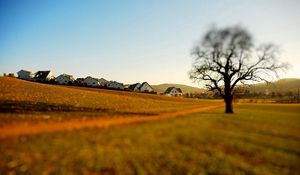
172 91
65 79
90 81
103 82
25 75
44 76
145 87
134 87
115 85
80 82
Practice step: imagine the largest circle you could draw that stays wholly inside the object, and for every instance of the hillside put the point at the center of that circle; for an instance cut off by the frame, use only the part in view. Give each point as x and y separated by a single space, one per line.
282 85
16 94
185 88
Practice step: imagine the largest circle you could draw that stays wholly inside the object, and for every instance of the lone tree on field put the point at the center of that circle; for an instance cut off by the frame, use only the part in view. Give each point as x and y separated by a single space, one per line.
227 57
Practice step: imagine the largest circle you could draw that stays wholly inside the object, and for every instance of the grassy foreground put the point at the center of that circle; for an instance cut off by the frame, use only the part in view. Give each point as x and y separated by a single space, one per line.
257 139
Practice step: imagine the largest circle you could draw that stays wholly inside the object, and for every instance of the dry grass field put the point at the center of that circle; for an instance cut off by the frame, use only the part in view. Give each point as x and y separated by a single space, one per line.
23 100
154 134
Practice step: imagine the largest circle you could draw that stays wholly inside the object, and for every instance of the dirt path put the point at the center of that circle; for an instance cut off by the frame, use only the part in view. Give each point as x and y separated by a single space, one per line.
51 126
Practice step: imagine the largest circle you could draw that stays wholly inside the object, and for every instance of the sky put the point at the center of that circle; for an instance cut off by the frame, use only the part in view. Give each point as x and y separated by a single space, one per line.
134 40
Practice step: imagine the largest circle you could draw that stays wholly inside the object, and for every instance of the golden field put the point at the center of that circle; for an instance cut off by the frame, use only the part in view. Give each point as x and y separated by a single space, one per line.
51 129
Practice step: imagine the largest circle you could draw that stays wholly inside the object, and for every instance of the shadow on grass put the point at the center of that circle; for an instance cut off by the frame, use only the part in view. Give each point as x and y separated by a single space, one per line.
9 106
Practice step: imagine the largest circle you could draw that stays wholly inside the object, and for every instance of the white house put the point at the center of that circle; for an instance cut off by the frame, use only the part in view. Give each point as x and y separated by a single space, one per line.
115 85
44 76
25 75
103 82
172 91
65 79
145 87
90 81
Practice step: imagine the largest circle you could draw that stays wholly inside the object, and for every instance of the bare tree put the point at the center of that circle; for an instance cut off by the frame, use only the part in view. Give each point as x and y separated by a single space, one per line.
227 57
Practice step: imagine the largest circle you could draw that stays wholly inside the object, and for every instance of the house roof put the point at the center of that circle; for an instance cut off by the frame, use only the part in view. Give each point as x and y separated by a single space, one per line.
41 75
66 75
102 79
111 82
144 84
89 77
26 71
80 79
179 90
132 86
169 89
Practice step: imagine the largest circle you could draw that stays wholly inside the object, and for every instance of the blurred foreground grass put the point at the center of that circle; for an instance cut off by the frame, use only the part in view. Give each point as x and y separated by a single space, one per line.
257 139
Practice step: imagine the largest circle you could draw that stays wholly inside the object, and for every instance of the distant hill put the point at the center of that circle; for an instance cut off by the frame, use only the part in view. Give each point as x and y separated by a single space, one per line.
283 85
185 88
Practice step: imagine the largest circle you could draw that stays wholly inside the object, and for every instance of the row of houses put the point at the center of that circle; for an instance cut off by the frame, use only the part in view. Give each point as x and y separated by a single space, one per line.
65 79
48 76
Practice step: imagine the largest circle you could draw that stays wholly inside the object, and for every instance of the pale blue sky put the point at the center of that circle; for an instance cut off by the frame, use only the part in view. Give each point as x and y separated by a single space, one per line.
134 40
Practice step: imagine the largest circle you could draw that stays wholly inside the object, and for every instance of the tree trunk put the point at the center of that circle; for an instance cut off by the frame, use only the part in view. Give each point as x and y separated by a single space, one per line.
228 102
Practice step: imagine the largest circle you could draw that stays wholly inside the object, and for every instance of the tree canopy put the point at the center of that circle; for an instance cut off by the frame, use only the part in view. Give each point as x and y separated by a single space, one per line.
225 57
